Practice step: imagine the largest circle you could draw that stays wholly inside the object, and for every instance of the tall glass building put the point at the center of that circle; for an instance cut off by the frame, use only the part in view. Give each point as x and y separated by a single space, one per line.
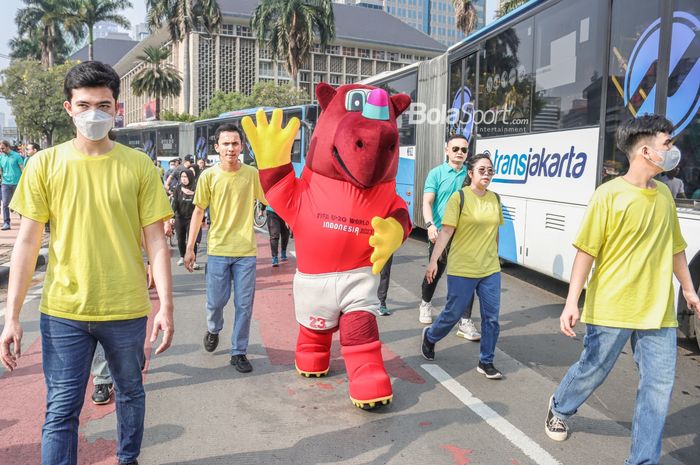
435 18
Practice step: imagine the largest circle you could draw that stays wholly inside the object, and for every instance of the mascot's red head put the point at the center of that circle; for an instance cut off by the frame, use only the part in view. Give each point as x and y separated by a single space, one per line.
356 138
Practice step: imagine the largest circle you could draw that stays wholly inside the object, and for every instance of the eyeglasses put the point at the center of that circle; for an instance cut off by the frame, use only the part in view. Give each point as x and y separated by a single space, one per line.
457 149
482 171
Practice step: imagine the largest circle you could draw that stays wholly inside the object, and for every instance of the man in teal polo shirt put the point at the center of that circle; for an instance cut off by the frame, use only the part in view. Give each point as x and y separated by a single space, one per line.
11 164
443 181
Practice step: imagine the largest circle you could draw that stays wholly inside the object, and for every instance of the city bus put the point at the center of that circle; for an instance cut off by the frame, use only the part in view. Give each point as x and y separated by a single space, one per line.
543 90
204 131
161 140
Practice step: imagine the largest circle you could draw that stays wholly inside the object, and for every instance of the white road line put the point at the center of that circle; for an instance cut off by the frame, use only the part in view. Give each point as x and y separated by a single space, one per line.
497 422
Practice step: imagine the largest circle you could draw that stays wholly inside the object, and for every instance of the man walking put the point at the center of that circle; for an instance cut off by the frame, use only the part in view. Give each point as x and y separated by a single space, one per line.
100 197
631 232
11 165
441 183
229 191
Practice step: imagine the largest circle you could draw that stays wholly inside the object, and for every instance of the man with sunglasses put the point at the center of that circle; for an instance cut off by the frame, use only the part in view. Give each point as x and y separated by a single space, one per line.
441 183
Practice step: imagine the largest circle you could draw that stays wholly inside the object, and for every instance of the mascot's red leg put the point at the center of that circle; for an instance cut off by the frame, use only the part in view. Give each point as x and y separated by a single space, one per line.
369 384
313 352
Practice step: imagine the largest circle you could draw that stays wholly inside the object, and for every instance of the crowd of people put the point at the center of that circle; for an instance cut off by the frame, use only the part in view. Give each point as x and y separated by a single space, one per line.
102 193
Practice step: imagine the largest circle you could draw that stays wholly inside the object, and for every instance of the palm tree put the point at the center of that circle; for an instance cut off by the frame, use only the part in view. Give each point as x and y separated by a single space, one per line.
157 77
41 21
87 13
465 15
29 48
290 27
507 6
183 17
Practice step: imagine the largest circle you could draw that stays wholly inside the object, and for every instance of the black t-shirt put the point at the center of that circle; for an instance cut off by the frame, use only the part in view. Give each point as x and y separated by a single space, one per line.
183 205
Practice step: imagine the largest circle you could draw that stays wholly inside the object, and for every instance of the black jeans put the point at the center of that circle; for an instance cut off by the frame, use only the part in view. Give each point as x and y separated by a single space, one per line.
384 277
182 230
277 228
428 289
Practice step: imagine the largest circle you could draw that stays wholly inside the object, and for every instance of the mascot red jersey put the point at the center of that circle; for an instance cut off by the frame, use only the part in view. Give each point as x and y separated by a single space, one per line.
347 221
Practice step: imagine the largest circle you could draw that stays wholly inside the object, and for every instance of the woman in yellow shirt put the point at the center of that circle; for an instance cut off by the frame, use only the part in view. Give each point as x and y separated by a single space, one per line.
471 221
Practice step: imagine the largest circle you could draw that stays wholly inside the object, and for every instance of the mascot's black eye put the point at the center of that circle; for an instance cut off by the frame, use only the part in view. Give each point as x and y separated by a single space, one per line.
355 100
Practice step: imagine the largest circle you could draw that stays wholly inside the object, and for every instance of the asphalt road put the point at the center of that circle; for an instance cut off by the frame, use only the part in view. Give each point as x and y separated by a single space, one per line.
201 411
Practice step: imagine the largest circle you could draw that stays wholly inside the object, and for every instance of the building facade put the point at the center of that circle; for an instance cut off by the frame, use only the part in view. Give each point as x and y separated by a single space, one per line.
233 60
435 18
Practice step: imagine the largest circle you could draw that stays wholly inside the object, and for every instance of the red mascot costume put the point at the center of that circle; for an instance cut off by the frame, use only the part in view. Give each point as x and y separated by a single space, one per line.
347 221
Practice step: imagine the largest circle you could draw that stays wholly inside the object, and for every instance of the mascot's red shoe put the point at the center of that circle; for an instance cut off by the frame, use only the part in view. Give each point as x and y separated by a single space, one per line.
313 353
370 386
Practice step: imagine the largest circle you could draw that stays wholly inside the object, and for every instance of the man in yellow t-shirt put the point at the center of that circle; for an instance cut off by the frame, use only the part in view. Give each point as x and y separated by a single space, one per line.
631 232
229 190
99 196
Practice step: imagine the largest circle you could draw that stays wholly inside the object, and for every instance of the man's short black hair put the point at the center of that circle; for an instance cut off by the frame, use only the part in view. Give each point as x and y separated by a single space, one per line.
630 132
35 145
227 127
91 74
457 136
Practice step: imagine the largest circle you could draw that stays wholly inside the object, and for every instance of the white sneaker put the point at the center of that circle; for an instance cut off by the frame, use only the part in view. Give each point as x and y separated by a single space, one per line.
181 262
196 266
467 330
425 314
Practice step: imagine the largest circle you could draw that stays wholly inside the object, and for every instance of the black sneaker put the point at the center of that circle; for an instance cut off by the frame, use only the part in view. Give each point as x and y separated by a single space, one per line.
241 363
427 348
555 427
211 341
102 393
488 370
135 462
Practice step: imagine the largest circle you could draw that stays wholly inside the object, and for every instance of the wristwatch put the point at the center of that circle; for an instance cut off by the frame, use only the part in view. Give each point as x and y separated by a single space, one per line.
428 224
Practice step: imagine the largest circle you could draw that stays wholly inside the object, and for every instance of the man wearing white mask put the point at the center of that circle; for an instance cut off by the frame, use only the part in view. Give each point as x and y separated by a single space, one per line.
631 232
100 197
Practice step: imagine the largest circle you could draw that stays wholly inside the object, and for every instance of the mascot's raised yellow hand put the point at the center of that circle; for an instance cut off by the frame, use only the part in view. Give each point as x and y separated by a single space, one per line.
387 238
271 144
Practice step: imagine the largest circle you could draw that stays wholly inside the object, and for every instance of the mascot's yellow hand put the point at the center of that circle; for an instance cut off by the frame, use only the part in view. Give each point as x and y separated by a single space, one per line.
271 144
387 238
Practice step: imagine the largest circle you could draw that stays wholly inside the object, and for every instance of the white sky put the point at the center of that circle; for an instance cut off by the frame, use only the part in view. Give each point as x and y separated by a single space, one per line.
137 14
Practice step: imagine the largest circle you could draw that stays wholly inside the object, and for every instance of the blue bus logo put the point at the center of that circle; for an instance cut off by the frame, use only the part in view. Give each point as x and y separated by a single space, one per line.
682 106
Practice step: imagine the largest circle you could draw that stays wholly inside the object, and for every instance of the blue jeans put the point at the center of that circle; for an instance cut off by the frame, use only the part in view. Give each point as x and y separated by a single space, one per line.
655 354
221 271
8 190
67 350
460 293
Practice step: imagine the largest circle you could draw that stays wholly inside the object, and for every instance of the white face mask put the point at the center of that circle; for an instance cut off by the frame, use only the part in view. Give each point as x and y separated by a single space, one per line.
93 124
669 158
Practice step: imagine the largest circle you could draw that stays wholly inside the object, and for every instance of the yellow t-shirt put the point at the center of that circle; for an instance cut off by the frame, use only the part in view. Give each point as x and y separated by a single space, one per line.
474 249
230 197
97 206
633 234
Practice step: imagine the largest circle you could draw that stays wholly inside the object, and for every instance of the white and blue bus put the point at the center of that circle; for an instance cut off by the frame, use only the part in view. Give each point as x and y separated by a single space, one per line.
160 140
543 90
204 131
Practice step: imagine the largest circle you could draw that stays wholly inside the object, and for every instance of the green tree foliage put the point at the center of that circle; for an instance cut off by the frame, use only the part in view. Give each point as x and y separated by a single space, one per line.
264 94
465 15
36 97
167 115
86 13
157 78
46 24
181 17
509 5
290 27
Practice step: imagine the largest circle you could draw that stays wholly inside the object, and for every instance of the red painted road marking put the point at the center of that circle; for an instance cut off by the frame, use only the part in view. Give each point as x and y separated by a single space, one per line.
23 405
274 312
459 456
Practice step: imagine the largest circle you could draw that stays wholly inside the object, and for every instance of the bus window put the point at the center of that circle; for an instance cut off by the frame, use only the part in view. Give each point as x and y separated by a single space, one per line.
632 79
462 98
505 83
569 40
167 142
681 107
200 144
296 147
404 85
